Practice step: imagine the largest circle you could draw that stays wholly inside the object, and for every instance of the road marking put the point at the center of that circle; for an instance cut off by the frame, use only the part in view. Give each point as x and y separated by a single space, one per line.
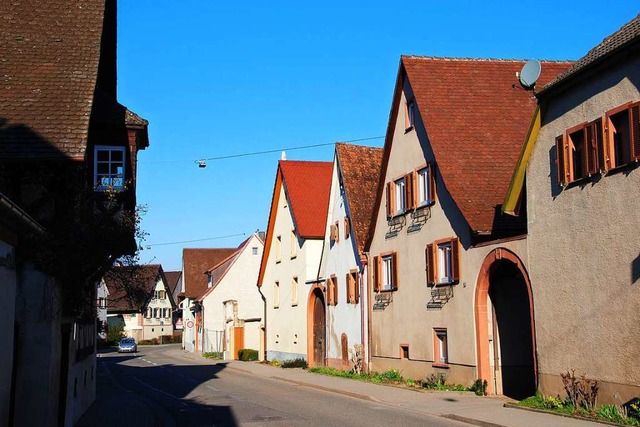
211 388
160 391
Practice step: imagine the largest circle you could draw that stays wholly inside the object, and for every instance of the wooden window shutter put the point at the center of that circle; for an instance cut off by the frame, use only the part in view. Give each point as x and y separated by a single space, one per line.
591 151
634 116
606 145
409 201
389 199
334 280
356 288
394 270
455 259
376 273
347 227
561 160
430 264
348 282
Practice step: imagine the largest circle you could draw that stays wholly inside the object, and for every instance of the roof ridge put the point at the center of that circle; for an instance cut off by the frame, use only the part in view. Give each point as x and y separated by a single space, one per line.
476 59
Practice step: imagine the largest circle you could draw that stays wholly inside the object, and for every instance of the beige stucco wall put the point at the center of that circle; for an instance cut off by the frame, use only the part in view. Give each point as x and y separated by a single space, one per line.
155 327
584 245
406 320
286 325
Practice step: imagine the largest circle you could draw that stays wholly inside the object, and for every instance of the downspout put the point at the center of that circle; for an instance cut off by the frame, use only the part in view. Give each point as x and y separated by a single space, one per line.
369 309
365 270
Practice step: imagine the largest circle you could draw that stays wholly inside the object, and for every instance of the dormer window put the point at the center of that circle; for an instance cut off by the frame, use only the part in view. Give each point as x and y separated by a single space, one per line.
109 168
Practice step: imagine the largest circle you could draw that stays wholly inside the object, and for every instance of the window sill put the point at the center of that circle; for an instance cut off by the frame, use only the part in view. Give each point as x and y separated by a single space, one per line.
440 365
387 290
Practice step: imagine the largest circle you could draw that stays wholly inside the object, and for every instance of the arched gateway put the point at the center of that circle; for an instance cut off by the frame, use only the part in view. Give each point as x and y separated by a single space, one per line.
316 327
505 329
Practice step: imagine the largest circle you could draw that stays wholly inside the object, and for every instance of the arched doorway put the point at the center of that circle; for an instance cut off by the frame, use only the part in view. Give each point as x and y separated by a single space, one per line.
504 326
316 327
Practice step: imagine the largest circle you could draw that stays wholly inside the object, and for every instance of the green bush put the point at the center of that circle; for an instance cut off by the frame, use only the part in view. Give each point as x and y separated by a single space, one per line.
295 363
247 354
217 355
387 376
115 334
479 387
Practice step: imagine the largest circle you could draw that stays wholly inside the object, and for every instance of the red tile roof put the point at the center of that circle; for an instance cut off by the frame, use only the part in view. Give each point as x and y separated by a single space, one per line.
476 118
173 280
131 287
360 170
629 33
308 185
195 263
48 74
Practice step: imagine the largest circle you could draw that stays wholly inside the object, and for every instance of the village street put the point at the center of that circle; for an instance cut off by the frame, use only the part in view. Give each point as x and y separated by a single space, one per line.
163 385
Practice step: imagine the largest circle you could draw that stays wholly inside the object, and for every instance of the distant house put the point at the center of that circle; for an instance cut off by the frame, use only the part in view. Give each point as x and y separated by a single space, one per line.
195 264
232 309
288 278
451 290
344 268
174 281
140 295
102 296
68 152
581 201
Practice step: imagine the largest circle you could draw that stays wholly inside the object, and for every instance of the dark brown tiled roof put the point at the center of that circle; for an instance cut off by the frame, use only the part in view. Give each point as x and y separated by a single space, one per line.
476 118
195 263
308 185
121 278
360 169
173 280
627 34
48 72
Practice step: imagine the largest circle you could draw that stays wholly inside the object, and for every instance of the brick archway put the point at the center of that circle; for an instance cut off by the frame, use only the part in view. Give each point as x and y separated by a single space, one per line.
480 308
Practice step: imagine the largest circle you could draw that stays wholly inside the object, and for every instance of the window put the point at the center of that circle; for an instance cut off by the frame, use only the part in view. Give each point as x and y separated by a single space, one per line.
425 186
156 313
108 171
276 295
254 251
404 351
440 347
278 248
149 313
294 291
167 313
294 244
352 287
410 115
442 262
400 196
601 145
102 302
386 272
332 290
347 227
159 294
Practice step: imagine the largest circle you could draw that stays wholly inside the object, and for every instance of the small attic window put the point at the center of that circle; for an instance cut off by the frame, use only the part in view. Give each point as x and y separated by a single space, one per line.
108 168
254 251
410 115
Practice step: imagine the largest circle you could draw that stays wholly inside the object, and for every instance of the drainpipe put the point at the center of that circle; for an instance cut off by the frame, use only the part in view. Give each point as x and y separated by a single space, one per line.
363 263
369 308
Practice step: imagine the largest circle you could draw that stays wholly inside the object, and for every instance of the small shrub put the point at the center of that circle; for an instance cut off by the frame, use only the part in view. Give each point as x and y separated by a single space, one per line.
479 387
435 380
247 354
115 334
275 363
217 355
391 375
581 392
295 363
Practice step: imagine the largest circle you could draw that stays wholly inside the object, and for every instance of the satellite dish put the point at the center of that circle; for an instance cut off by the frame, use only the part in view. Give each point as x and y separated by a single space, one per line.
530 73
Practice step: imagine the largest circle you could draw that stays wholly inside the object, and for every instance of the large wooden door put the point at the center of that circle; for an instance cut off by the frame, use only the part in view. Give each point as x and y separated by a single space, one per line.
238 340
318 331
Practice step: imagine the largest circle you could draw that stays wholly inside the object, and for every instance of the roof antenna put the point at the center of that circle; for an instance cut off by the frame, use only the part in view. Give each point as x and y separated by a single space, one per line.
283 155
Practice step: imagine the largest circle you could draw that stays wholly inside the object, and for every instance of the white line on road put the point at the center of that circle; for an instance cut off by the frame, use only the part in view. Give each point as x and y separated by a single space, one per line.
160 391
211 388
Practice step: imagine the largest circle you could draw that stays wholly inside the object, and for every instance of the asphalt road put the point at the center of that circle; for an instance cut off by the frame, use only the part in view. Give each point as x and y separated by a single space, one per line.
196 393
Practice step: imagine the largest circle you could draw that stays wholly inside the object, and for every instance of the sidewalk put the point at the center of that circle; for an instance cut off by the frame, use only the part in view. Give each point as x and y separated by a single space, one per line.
461 406
117 406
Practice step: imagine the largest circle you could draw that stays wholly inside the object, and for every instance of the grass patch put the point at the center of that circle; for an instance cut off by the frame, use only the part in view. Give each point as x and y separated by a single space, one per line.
215 355
294 363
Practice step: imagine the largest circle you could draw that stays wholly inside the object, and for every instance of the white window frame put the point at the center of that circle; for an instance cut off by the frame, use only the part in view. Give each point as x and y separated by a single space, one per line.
113 181
387 273
445 262
424 186
411 114
254 250
443 346
294 291
398 188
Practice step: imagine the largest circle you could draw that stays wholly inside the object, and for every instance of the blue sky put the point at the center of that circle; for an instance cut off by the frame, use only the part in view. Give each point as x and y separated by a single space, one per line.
223 78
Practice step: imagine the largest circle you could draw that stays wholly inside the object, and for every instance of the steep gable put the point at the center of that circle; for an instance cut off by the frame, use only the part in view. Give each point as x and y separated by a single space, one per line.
476 118
195 263
131 287
360 170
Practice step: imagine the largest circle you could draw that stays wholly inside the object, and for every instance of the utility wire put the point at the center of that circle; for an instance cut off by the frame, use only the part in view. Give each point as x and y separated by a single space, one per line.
255 153
195 240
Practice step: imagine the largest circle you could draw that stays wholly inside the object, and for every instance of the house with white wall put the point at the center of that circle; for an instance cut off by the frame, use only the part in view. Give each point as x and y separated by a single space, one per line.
232 309
344 269
195 263
288 278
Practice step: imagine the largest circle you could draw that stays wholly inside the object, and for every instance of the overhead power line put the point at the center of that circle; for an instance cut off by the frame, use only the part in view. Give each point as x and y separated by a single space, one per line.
195 240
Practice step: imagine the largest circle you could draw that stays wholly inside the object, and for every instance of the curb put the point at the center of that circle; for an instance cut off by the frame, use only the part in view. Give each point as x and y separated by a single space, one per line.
558 414
329 389
471 421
